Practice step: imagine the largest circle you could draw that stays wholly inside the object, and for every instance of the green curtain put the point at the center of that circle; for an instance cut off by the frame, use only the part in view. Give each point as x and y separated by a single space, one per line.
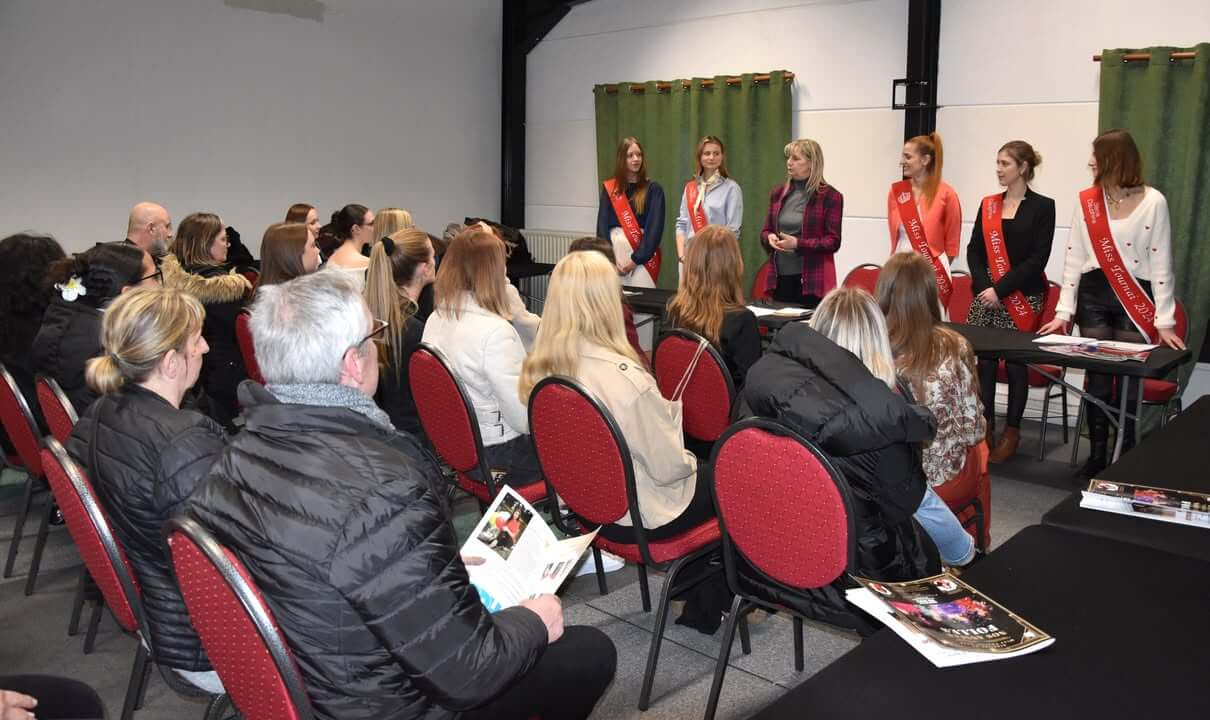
753 121
1166 107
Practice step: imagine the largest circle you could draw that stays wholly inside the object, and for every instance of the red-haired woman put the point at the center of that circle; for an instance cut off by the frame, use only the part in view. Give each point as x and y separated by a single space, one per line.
923 212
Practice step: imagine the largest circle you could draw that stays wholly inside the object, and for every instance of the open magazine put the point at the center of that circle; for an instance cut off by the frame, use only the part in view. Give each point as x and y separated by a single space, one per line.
512 555
948 621
1175 506
1111 350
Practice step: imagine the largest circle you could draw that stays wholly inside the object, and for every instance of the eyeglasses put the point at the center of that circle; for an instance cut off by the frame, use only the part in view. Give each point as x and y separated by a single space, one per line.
158 276
380 326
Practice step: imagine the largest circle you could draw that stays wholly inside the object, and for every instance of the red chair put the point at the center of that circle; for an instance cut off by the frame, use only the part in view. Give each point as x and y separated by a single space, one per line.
710 393
23 433
252 276
243 336
961 297
969 495
761 289
241 638
449 422
587 463
863 276
106 561
1035 379
785 510
60 415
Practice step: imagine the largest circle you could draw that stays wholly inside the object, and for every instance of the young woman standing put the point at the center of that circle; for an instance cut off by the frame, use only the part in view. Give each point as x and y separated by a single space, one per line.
631 216
923 213
711 197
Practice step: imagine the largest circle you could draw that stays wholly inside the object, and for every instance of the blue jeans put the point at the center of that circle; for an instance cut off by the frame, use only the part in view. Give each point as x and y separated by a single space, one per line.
957 547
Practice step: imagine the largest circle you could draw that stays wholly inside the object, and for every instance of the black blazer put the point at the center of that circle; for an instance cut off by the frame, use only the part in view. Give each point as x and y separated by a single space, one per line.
1028 237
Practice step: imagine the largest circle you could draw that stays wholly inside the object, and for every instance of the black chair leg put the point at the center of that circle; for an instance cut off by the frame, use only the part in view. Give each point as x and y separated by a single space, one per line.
90 637
39 545
1063 399
217 708
1045 423
798 663
661 618
138 677
26 499
77 605
601 583
645 591
724 656
138 705
980 543
745 640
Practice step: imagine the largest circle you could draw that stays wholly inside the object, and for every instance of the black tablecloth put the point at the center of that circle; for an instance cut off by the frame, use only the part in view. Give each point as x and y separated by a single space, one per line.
1130 642
1018 346
1176 456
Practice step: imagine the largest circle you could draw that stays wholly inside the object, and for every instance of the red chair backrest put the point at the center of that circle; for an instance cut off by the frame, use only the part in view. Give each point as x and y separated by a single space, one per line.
708 397
252 277
582 453
241 637
243 335
444 409
1053 290
56 408
761 289
864 277
961 297
782 505
19 423
1182 322
89 527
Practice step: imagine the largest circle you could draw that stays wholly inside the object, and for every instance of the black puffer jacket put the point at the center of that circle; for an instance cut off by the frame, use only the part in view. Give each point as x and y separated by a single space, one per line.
69 337
343 527
150 457
872 435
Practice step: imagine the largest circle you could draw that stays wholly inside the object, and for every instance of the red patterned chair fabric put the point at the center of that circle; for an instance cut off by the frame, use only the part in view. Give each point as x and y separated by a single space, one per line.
241 637
961 297
243 335
710 394
969 495
56 408
23 434
1161 392
863 276
761 289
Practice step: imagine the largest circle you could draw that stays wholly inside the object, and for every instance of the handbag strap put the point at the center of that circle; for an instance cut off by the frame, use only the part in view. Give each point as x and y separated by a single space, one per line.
684 383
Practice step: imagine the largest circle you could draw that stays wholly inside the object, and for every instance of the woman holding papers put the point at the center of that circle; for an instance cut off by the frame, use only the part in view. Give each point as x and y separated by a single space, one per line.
1007 256
1117 276
631 216
802 229
710 197
923 213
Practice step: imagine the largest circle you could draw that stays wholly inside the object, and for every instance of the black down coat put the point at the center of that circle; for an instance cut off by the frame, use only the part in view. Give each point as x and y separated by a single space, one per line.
69 337
150 456
870 433
343 526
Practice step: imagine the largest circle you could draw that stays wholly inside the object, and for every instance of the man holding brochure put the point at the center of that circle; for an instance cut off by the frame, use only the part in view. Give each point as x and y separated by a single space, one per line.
342 523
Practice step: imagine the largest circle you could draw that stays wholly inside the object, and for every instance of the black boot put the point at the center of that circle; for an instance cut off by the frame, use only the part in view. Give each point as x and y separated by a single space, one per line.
1098 440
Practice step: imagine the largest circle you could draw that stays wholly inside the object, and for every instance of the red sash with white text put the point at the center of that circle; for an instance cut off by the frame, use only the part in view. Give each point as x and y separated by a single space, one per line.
1138 306
697 213
630 225
910 216
998 264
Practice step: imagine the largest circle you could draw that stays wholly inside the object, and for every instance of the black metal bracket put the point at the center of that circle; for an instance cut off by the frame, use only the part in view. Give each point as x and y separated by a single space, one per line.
900 88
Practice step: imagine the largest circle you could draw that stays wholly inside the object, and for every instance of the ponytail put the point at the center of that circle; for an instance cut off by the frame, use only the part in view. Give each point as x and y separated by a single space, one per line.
104 375
138 329
930 145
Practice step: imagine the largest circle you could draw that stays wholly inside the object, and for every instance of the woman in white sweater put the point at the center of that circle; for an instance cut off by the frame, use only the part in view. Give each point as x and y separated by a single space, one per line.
479 323
582 336
1117 276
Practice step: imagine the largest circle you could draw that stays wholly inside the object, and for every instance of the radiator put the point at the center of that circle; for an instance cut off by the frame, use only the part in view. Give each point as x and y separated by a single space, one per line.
547 246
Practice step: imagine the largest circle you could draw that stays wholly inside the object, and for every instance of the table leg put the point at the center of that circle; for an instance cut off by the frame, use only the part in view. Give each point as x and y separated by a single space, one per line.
1124 388
1138 410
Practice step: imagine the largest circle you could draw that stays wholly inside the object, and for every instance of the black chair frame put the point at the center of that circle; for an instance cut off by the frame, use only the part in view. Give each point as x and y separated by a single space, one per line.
34 485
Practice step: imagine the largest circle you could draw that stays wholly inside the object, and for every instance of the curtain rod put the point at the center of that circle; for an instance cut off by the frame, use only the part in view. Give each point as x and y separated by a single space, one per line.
1145 57
708 82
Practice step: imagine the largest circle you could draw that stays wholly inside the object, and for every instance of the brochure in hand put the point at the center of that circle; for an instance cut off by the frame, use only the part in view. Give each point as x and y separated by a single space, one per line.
948 621
1175 506
512 555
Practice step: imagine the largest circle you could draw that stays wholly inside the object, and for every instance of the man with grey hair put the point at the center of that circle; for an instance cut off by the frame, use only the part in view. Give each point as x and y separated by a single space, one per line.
343 525
149 227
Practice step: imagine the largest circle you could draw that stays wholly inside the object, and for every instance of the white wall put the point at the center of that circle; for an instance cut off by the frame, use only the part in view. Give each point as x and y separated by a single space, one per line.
845 55
201 106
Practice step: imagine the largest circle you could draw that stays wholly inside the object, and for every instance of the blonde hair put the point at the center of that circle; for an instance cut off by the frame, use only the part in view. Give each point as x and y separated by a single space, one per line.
813 153
711 284
388 272
583 302
138 329
474 264
388 221
850 318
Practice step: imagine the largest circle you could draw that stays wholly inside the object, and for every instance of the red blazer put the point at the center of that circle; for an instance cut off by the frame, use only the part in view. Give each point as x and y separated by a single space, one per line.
818 242
942 222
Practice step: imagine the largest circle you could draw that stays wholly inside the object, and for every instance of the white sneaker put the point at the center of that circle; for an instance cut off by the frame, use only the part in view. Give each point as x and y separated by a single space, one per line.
609 563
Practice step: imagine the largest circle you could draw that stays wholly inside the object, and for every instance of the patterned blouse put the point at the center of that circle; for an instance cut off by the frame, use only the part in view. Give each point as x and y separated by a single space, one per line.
952 395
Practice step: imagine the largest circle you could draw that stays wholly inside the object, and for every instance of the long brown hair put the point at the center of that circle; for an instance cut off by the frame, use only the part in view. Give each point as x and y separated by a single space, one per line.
194 238
298 213
712 283
907 294
473 263
387 274
281 251
621 173
697 156
1118 160
930 146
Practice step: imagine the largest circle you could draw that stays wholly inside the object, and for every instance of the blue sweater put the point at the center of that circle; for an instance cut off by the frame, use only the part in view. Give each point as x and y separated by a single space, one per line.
724 205
651 220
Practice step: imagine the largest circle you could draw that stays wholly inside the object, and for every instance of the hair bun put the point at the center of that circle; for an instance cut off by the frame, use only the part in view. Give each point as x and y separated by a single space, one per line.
389 245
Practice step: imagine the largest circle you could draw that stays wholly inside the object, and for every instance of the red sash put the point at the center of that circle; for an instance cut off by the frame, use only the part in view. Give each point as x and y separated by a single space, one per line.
697 214
1138 306
630 225
910 216
998 264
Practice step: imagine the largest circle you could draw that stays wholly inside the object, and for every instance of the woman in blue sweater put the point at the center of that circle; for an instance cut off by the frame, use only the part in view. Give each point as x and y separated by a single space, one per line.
631 216
710 197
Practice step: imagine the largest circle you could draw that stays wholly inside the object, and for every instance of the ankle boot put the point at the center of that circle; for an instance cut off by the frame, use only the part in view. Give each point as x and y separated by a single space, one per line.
1098 440
1007 447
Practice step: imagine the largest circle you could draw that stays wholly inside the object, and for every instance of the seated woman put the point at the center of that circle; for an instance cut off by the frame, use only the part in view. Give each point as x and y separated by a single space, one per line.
582 337
353 227
710 301
401 266
834 383
605 247
938 366
474 325
145 455
195 264
287 251
71 329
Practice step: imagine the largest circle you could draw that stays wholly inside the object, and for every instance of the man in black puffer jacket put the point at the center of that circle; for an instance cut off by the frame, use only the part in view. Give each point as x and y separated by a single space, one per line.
342 523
